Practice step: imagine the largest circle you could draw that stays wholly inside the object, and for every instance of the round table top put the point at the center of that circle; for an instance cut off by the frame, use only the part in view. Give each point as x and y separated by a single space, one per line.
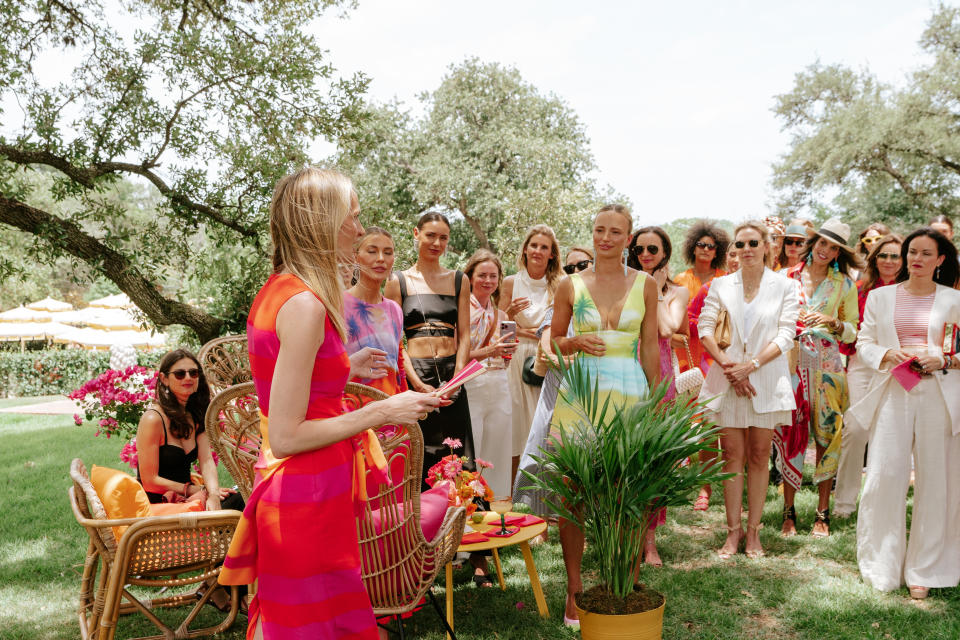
491 521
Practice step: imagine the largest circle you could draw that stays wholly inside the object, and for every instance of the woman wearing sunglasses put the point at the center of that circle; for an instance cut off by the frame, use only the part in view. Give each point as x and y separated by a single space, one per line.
747 392
883 266
828 317
905 323
794 238
170 437
867 241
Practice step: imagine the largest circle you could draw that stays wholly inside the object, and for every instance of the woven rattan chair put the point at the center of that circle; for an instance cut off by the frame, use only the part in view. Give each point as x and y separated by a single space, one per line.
225 362
232 424
157 552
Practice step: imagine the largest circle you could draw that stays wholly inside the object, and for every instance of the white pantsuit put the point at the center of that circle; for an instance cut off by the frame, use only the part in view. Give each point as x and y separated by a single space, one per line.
925 423
492 427
854 443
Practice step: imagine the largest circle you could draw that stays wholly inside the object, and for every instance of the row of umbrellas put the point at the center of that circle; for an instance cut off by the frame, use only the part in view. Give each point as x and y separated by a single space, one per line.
106 322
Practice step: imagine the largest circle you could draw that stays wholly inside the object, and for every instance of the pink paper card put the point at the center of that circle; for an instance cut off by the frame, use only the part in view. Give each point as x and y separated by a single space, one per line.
907 377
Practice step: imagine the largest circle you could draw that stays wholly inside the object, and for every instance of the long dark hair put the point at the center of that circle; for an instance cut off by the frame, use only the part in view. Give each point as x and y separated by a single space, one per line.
870 272
846 259
197 403
700 229
949 270
632 261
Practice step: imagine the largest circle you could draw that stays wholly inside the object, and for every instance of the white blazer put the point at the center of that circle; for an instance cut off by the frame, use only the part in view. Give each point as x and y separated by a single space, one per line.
776 307
878 335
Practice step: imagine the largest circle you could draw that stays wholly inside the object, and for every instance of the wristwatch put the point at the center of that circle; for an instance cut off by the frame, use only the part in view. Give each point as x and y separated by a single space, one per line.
755 363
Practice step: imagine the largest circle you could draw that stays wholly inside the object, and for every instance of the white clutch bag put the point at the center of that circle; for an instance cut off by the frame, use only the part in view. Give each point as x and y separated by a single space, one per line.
689 381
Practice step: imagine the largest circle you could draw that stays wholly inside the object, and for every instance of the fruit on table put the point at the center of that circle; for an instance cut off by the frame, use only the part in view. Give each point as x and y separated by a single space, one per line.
477 518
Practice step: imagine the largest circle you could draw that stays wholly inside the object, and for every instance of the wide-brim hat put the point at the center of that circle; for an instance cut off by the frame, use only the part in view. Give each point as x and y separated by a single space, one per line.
838 233
797 231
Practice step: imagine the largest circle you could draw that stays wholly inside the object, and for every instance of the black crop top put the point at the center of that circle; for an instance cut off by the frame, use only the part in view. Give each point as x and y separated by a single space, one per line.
174 461
439 314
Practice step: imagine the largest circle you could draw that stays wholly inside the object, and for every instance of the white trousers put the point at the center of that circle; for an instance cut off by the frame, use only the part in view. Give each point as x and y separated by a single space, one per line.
492 427
917 421
854 443
524 396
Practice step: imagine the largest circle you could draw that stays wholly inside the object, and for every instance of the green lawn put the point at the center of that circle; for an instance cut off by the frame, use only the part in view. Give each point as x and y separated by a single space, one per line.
804 588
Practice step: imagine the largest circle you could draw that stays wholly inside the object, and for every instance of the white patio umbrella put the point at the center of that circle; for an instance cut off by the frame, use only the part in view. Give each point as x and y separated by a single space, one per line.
77 317
113 319
23 314
10 331
50 304
116 301
99 339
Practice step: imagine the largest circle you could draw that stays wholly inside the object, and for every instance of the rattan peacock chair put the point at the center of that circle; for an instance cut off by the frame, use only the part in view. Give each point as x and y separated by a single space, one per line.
158 552
225 362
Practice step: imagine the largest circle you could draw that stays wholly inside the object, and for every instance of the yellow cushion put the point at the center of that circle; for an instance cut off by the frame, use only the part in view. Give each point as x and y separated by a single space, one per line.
122 496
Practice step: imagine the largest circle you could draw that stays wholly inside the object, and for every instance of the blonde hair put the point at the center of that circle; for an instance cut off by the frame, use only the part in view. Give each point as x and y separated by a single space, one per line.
306 213
764 232
553 264
622 210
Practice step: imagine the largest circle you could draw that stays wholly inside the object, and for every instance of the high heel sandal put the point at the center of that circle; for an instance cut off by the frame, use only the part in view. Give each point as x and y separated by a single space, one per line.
824 517
790 513
755 553
726 555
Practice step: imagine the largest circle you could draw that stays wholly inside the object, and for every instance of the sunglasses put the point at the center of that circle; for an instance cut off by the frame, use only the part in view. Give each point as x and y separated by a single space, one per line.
789 242
576 266
871 240
180 374
888 256
740 244
638 249
706 245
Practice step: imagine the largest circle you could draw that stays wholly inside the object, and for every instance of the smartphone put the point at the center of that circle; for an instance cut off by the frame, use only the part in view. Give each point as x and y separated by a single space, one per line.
508 328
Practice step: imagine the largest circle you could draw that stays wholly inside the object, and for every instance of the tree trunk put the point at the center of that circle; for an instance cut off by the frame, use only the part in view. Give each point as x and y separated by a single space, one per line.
475 225
69 237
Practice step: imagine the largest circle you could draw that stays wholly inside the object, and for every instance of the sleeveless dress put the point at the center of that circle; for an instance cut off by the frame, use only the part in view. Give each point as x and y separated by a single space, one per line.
380 326
435 311
618 373
524 396
297 535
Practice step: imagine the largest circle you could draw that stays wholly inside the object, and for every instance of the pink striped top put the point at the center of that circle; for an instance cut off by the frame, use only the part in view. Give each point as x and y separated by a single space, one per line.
911 316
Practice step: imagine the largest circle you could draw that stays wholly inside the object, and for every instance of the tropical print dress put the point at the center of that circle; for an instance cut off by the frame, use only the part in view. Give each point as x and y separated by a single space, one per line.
820 378
618 372
381 326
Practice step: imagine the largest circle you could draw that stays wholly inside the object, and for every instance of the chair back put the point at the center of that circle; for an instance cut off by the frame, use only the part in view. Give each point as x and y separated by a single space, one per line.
398 564
225 362
86 505
233 427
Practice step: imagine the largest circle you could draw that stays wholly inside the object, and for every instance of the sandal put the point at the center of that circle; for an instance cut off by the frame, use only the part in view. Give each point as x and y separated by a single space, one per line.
702 503
726 555
755 553
482 580
919 593
824 517
790 513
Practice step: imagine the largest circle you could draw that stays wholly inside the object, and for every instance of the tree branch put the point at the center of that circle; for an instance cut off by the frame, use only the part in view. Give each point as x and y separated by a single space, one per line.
69 237
474 224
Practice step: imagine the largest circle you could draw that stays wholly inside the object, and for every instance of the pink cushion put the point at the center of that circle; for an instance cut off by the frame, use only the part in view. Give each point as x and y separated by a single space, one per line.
433 507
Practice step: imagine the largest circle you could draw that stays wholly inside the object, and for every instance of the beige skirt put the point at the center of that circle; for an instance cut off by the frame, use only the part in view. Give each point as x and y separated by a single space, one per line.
738 413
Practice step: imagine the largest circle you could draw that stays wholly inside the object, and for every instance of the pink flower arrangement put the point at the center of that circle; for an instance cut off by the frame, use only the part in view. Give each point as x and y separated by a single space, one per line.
463 485
116 400
129 453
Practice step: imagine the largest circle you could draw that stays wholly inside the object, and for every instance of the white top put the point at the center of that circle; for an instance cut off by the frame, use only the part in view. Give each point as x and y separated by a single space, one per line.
539 295
749 315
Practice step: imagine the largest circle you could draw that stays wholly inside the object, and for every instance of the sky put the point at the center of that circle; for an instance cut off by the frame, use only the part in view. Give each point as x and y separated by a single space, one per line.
675 97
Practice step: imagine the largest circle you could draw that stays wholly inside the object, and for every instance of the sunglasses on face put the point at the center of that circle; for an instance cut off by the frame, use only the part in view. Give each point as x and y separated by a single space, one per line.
638 250
888 256
793 241
740 244
576 266
180 374
706 245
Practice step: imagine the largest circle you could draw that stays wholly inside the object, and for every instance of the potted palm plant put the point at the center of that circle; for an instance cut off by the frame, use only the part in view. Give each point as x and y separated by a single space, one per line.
609 473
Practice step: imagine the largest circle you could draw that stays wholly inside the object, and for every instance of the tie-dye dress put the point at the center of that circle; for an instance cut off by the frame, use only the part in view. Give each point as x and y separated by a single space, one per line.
297 537
380 326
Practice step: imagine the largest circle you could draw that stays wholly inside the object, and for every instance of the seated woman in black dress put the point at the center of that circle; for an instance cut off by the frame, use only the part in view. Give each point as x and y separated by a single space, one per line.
170 437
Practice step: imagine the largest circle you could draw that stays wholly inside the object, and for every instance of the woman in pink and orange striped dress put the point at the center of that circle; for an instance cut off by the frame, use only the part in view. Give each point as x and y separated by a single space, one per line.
296 536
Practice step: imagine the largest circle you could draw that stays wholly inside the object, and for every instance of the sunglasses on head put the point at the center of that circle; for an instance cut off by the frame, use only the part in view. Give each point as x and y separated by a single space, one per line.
740 244
576 266
706 245
180 374
793 241
888 256
638 249
871 239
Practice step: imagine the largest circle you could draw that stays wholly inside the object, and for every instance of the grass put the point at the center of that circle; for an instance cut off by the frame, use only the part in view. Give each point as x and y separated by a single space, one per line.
805 588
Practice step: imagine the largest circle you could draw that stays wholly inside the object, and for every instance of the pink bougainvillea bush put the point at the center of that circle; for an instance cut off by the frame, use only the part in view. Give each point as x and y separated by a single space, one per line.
116 399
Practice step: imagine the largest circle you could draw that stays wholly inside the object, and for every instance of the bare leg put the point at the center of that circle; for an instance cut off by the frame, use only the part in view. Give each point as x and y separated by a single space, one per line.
733 442
571 543
758 477
514 466
703 499
789 526
258 632
823 489
650 554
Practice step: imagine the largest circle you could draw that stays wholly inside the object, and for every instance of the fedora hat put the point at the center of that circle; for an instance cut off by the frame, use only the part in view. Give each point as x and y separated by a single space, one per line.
837 232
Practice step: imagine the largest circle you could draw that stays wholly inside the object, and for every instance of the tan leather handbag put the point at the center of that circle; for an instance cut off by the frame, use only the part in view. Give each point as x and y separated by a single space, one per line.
721 332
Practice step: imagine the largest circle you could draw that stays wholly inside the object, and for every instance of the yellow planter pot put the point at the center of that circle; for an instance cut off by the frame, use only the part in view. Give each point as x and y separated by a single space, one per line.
634 626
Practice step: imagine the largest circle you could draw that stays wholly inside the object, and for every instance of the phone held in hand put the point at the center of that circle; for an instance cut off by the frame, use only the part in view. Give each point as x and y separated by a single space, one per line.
508 333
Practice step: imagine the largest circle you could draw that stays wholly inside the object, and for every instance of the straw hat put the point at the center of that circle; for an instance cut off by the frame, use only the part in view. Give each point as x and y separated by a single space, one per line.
838 233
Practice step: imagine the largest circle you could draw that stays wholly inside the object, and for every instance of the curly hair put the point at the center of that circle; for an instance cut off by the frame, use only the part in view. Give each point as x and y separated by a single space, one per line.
706 228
